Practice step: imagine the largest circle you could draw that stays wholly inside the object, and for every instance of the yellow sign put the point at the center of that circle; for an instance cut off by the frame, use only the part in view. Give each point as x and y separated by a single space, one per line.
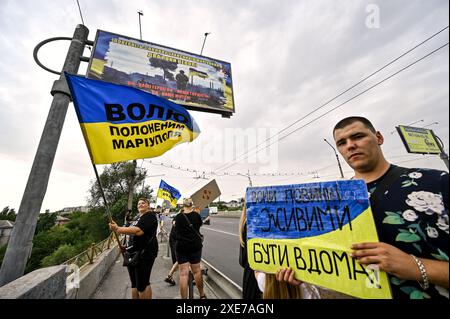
418 140
310 228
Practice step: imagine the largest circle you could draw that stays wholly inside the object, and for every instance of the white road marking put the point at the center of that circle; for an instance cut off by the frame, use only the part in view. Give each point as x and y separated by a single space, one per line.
220 231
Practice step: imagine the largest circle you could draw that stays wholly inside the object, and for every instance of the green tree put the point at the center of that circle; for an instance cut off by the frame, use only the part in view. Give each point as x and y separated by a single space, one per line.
46 242
116 180
92 226
8 214
55 244
60 255
45 222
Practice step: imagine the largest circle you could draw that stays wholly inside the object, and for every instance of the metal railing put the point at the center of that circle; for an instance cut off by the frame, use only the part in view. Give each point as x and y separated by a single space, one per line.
222 286
88 256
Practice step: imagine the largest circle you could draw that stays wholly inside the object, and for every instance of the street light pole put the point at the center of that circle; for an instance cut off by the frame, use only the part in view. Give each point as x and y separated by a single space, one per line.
248 176
21 240
140 13
443 155
204 40
337 158
434 123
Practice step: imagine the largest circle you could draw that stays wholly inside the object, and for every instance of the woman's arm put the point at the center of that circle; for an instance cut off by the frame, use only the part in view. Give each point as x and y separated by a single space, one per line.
131 230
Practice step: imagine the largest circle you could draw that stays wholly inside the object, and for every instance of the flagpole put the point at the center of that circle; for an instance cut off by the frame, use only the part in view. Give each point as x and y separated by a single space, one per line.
107 207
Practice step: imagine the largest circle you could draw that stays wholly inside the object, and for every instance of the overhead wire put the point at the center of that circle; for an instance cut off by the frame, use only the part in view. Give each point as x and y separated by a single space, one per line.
338 106
334 98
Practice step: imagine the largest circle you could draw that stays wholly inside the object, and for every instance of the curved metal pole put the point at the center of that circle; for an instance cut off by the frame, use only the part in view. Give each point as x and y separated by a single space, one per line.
40 44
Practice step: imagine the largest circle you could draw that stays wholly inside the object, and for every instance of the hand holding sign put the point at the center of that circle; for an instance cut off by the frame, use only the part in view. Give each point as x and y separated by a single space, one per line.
310 228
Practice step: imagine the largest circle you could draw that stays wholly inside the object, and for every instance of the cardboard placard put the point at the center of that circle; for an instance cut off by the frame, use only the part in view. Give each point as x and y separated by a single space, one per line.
205 195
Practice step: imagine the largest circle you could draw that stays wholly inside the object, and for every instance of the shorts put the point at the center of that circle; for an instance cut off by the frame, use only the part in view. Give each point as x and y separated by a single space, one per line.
140 274
190 257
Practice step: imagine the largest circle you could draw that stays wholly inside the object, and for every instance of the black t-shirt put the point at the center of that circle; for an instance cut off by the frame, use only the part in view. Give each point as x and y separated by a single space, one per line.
148 224
172 233
188 239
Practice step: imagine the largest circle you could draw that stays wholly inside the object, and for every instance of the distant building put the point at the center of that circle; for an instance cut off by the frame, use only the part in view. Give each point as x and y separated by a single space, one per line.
61 220
69 210
233 204
6 227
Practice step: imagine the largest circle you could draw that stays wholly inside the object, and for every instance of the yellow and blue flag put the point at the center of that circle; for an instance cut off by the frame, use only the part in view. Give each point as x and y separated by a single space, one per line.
121 123
168 193
310 228
195 72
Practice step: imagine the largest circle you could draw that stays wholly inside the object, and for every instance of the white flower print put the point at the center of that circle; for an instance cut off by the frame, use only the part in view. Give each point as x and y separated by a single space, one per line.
432 232
410 215
442 291
442 223
415 175
426 202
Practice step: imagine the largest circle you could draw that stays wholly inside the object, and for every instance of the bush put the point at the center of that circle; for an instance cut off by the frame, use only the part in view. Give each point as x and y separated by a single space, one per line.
62 254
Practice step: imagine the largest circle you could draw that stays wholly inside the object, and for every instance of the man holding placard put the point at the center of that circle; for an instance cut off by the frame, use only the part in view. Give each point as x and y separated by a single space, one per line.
411 214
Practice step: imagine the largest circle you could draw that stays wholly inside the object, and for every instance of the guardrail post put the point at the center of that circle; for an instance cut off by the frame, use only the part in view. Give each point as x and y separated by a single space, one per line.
109 241
91 257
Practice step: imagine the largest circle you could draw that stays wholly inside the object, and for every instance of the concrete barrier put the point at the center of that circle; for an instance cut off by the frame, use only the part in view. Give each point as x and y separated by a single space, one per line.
222 286
91 275
44 283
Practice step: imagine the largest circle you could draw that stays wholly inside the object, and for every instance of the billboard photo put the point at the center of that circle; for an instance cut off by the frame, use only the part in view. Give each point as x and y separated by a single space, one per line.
197 82
418 140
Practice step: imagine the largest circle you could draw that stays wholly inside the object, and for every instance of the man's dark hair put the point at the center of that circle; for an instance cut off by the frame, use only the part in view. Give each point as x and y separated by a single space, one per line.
352 119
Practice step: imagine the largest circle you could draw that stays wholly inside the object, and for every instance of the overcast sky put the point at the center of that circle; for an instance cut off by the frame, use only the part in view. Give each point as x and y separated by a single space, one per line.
287 58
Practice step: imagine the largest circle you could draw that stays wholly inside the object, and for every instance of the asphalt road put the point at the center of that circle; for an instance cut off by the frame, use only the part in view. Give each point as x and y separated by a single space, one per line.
221 247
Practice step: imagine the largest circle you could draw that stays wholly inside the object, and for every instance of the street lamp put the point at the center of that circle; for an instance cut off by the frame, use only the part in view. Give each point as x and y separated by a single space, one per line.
204 40
248 176
337 157
140 13
434 123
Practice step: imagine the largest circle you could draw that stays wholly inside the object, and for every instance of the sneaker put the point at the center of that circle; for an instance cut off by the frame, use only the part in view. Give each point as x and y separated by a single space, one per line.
170 280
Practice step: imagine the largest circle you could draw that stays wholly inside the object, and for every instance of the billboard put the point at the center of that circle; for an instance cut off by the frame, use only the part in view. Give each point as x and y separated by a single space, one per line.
197 82
418 140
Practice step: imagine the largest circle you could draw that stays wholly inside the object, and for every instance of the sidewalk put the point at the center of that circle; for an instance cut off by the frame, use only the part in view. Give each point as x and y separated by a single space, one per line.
116 284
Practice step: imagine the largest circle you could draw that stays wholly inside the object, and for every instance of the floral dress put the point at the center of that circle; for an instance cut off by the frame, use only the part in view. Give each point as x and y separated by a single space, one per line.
413 216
